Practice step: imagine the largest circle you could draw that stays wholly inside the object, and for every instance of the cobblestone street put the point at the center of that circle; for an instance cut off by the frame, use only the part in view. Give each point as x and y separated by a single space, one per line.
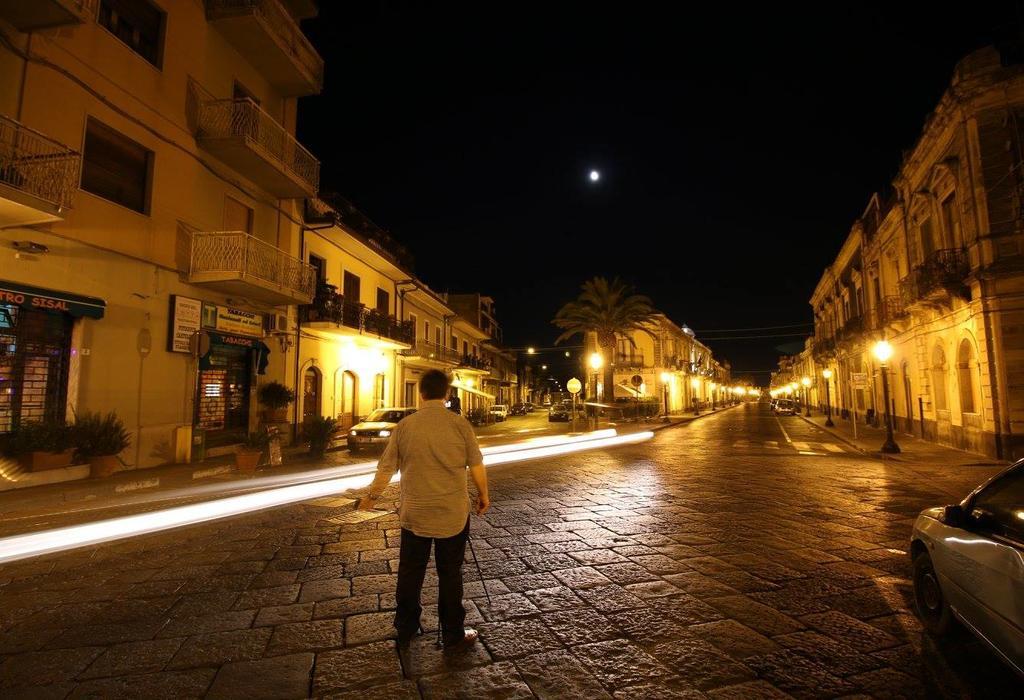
738 556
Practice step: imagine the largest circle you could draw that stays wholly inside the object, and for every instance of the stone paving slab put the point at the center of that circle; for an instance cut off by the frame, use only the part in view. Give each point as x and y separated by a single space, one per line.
678 568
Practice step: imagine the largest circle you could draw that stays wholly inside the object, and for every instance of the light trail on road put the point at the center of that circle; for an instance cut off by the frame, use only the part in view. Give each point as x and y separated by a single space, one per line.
316 485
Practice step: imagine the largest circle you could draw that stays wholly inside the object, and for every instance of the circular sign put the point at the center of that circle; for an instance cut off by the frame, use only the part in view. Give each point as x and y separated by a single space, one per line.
636 380
573 386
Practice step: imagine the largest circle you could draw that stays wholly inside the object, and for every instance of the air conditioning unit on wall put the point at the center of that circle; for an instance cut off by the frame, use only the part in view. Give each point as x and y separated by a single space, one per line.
275 323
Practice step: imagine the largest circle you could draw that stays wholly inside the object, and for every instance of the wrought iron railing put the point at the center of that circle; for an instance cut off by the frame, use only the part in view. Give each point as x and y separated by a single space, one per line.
943 270
331 307
629 359
238 252
279 21
243 118
823 346
433 351
37 164
474 362
890 308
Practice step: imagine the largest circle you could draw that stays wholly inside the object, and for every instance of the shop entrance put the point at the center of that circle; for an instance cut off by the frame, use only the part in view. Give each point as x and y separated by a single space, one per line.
35 348
223 402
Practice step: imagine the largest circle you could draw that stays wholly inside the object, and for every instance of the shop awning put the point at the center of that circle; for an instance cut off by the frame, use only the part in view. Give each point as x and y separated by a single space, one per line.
51 300
628 391
261 348
474 391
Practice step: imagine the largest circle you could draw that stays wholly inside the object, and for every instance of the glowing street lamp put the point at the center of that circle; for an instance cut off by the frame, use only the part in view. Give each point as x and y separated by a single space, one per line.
883 351
806 381
695 385
596 362
827 374
531 351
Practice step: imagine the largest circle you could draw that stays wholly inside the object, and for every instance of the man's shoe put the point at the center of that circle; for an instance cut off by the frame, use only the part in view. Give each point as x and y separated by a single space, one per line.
469 638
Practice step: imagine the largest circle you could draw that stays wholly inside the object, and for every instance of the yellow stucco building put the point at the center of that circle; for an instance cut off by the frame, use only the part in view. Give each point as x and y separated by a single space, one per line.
151 194
935 266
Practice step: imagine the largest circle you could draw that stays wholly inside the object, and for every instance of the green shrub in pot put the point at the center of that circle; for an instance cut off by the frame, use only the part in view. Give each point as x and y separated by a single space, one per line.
274 397
318 431
98 440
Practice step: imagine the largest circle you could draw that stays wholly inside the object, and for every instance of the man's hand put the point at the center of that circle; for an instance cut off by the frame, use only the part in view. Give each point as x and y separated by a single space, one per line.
367 502
482 504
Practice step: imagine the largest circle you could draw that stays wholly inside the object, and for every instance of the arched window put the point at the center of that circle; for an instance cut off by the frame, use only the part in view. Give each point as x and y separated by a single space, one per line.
311 383
966 366
939 379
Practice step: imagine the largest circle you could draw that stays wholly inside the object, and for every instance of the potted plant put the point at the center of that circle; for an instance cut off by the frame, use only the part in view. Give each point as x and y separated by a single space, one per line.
40 445
99 440
318 431
247 457
274 397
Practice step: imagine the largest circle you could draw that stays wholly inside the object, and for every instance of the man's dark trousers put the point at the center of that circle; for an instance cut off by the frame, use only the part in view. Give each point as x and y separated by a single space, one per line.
412 567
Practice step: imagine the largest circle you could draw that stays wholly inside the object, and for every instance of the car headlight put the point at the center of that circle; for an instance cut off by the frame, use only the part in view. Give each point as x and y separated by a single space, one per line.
352 433
385 433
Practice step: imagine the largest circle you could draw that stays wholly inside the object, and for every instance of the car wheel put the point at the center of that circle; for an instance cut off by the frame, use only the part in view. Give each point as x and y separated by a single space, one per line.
932 606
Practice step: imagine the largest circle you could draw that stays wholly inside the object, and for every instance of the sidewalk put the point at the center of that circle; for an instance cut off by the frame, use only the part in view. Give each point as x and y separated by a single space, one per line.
912 448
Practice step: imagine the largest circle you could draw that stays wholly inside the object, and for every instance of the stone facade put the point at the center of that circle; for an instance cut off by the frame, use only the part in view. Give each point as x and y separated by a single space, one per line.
935 266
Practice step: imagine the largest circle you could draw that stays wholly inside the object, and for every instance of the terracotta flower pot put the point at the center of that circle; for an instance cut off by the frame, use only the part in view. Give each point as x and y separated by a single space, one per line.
275 415
103 465
247 460
41 461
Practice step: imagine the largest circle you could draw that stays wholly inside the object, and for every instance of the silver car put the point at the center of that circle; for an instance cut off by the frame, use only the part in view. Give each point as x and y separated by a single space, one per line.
969 565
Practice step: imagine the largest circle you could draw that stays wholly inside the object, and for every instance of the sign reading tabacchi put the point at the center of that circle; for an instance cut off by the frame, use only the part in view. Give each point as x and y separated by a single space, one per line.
185 318
227 320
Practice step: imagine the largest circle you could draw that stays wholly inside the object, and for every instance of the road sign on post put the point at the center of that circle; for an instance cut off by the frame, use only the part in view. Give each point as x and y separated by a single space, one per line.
573 386
859 379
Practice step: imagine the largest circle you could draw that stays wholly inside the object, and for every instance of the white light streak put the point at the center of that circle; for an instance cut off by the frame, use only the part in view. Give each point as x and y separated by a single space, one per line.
315 485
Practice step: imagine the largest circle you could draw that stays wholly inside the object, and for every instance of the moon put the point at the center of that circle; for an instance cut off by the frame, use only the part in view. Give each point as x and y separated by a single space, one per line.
594 176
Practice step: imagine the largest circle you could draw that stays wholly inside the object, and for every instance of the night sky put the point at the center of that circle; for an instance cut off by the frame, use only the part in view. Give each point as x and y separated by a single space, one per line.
735 146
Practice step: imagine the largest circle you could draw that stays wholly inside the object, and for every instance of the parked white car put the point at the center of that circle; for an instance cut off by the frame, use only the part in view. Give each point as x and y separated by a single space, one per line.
375 429
499 411
969 565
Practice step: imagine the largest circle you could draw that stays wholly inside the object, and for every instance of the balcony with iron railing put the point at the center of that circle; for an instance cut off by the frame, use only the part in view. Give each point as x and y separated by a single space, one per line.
474 362
240 133
941 277
331 310
238 264
30 15
38 176
629 360
427 350
823 347
889 310
266 33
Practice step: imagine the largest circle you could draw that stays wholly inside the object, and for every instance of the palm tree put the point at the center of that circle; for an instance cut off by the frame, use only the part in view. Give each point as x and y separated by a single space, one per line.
611 310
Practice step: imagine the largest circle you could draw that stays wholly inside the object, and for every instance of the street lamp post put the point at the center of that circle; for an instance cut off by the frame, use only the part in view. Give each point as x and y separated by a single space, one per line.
695 385
883 351
827 374
714 394
665 378
596 363
806 381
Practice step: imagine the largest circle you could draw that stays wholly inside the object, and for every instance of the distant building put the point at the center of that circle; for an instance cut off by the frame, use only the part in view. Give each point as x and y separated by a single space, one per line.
665 351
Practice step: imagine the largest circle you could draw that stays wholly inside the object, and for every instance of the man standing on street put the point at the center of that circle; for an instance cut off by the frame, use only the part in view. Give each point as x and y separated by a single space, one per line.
432 449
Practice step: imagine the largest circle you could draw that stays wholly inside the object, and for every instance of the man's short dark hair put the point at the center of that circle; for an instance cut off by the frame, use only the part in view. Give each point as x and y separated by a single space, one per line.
434 385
